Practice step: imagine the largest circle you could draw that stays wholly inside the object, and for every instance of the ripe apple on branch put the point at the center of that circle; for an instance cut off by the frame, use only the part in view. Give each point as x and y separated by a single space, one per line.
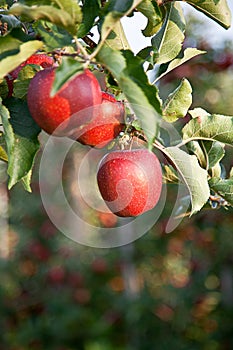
66 99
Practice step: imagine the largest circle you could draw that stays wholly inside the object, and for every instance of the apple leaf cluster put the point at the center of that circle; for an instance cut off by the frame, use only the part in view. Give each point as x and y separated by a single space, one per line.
63 30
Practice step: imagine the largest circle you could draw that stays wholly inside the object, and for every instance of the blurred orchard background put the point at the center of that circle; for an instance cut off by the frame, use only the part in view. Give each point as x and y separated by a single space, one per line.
164 291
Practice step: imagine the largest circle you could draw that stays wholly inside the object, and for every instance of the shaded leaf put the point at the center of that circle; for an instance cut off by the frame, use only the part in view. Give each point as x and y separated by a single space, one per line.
224 187
3 153
21 151
217 10
53 36
67 70
143 97
192 175
21 120
25 51
178 102
168 41
210 127
215 152
90 11
67 16
188 54
22 82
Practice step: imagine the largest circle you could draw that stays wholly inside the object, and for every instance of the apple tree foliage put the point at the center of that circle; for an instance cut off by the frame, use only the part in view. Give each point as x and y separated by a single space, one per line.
63 29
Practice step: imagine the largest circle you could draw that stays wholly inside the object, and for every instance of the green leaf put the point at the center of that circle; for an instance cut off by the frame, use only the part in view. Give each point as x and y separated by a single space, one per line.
192 175
224 187
53 36
25 51
68 15
210 127
21 159
151 10
218 10
21 150
169 39
120 7
90 11
21 120
187 55
9 46
67 70
178 102
8 130
117 38
3 153
143 97
215 152
23 80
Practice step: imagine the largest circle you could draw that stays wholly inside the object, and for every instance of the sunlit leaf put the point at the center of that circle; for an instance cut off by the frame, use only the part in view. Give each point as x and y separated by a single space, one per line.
12 61
169 39
152 11
191 174
218 10
187 55
210 127
178 102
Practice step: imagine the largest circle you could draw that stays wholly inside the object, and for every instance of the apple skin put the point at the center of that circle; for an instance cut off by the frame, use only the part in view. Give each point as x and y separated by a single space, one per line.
42 60
105 122
79 93
130 181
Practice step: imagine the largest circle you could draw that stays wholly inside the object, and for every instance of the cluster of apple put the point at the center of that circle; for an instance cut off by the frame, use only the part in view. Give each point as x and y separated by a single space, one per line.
129 180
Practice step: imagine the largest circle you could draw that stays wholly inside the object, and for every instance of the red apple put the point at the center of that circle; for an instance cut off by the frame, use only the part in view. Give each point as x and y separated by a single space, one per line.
77 94
130 181
104 123
42 60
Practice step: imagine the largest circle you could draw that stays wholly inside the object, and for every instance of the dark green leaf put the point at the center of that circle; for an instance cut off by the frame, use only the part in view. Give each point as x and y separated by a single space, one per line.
21 150
21 120
210 127
67 70
178 102
143 97
223 187
90 11
53 36
192 175
120 6
218 10
169 39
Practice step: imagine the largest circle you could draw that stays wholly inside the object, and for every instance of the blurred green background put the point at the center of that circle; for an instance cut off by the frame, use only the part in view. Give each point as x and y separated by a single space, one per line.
162 291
